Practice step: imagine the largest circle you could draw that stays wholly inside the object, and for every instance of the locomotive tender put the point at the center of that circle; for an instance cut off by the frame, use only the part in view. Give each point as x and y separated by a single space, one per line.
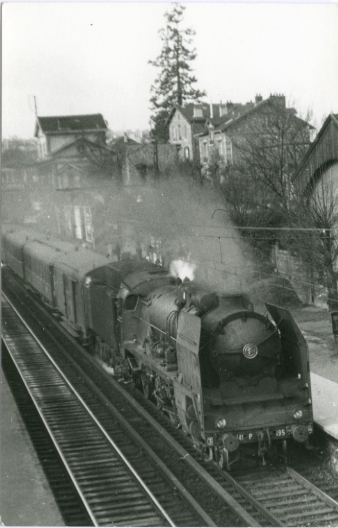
230 377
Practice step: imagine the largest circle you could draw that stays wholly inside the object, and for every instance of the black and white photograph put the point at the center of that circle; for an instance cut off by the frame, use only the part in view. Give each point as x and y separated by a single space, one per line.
169 264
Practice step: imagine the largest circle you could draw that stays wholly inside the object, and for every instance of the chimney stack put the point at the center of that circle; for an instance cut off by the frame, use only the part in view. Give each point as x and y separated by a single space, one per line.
229 106
222 109
278 100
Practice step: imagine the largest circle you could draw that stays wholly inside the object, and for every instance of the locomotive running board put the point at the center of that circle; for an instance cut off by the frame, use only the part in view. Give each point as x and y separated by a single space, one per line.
69 329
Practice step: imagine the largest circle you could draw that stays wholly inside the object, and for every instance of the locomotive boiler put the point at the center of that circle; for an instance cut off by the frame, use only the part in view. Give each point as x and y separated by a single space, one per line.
234 379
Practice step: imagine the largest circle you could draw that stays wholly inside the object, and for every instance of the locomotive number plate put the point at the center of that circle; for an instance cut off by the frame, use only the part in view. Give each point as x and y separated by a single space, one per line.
251 436
247 436
280 433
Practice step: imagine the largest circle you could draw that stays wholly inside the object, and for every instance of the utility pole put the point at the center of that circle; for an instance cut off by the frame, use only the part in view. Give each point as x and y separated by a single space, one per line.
155 158
35 109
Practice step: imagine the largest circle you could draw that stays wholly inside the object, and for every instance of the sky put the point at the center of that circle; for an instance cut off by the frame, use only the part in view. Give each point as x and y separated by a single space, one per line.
81 58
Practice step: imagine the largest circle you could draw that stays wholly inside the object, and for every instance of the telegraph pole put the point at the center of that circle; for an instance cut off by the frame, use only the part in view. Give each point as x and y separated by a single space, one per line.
155 157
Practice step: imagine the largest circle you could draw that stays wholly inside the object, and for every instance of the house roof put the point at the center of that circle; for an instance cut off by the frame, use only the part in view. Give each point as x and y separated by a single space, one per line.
332 118
239 112
81 145
75 123
188 111
120 143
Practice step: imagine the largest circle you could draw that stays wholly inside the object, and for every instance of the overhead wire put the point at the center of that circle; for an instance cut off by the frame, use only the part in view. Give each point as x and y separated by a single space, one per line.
284 287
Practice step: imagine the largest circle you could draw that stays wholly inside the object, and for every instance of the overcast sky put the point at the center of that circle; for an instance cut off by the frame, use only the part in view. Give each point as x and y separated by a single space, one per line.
79 58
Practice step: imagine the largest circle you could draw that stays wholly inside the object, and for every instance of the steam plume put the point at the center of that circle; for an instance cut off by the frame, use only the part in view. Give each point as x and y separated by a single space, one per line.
182 269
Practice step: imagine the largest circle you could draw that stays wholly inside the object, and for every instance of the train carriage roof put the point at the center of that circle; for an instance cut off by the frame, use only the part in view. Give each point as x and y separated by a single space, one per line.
20 237
8 227
78 264
48 251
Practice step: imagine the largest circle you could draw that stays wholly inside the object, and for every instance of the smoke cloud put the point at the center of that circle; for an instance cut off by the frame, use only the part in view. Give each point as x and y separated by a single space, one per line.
171 220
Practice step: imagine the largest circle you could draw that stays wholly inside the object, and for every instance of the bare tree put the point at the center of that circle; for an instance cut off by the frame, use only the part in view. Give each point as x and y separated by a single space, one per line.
267 145
270 149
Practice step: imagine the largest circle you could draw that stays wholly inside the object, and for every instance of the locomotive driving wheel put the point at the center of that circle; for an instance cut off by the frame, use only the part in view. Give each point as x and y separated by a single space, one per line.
173 417
220 458
98 348
147 386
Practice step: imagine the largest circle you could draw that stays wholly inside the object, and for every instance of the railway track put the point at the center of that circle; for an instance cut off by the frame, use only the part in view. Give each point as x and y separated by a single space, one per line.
291 498
247 497
111 490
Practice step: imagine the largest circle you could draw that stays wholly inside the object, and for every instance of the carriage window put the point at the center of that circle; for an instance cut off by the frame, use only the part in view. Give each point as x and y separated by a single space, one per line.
130 302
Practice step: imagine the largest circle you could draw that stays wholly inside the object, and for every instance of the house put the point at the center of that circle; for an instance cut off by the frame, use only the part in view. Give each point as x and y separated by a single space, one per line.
317 180
321 160
264 123
57 132
61 191
185 122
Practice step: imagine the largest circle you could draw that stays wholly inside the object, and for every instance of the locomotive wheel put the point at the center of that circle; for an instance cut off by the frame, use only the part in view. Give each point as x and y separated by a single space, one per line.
98 352
220 459
174 419
195 432
223 459
147 386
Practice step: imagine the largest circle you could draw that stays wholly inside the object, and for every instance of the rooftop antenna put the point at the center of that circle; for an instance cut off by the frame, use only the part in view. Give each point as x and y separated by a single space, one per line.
35 110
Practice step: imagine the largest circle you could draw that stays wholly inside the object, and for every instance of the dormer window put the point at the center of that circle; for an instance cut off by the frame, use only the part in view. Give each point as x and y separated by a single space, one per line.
198 111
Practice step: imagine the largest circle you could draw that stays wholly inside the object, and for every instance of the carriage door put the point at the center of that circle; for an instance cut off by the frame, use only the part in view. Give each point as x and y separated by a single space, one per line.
69 287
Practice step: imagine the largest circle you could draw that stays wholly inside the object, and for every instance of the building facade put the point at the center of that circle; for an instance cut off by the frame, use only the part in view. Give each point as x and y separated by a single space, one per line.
265 124
185 123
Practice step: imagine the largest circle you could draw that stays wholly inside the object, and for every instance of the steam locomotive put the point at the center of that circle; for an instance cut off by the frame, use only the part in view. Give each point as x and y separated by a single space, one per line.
233 379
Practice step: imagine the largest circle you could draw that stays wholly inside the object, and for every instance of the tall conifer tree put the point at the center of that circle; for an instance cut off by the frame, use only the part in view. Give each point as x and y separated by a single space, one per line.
175 81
